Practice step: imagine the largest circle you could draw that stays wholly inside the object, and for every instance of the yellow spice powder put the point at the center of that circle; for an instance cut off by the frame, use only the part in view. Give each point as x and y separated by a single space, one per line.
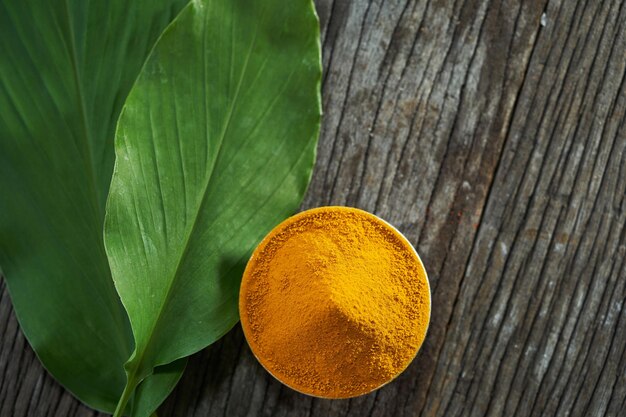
335 302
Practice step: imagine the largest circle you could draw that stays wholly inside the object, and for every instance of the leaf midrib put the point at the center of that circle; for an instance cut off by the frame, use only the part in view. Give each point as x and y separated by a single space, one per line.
83 113
98 208
205 188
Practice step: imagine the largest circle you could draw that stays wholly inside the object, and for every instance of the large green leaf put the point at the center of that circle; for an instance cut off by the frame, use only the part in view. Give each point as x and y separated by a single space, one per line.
215 145
66 67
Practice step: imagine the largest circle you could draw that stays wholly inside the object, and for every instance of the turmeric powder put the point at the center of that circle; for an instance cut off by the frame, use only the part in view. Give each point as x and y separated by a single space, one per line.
334 302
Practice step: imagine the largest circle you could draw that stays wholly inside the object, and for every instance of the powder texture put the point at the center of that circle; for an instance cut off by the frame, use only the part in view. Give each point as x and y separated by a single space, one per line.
334 302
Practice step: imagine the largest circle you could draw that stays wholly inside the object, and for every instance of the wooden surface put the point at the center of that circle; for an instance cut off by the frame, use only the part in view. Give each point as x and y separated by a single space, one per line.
495 139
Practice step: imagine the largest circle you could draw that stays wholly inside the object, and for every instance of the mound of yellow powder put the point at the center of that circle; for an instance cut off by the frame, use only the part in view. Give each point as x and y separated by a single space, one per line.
334 302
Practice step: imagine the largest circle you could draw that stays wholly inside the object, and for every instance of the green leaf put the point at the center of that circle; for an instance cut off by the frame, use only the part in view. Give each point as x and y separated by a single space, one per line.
215 146
66 67
151 392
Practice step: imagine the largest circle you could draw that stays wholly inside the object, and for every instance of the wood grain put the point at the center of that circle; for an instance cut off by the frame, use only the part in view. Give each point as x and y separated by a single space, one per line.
492 133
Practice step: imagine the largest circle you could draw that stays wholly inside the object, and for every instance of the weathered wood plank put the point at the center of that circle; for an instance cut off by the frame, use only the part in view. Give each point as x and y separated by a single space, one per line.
547 267
497 144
